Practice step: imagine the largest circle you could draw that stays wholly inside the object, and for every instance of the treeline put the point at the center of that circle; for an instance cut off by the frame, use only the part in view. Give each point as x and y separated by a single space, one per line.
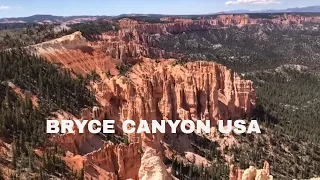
291 98
191 171
55 87
29 34
93 29
288 110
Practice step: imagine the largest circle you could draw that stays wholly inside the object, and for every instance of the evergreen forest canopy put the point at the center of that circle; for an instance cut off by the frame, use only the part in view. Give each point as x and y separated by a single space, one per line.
21 35
21 122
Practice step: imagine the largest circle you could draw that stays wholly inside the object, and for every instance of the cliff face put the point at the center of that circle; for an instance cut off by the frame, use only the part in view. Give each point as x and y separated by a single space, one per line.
113 162
177 25
74 52
156 91
199 90
71 41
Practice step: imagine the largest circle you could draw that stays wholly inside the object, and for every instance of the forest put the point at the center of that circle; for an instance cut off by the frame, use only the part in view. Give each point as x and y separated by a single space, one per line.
283 63
12 36
22 123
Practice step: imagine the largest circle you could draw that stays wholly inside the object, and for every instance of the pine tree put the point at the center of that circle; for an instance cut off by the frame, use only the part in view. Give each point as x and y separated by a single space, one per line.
82 172
1 175
31 159
14 154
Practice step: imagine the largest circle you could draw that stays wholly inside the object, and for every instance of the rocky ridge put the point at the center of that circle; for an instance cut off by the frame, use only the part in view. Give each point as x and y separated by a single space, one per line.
74 52
135 39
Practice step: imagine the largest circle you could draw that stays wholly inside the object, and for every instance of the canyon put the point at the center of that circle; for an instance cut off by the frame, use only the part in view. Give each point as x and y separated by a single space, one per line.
154 88
151 90
167 93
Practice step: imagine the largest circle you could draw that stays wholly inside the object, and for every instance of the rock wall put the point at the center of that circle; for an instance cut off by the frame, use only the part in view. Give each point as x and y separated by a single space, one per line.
197 91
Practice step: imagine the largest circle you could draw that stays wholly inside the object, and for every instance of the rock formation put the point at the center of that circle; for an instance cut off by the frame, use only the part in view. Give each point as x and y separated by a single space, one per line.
74 52
251 173
77 143
114 162
152 167
152 91
199 90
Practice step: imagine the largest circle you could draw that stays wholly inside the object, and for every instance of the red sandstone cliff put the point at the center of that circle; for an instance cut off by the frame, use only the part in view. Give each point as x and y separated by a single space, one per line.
113 162
74 52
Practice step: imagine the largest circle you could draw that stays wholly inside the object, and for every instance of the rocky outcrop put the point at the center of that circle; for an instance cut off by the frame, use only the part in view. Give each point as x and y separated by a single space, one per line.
72 41
251 173
177 25
77 143
75 52
196 91
152 167
113 162
126 50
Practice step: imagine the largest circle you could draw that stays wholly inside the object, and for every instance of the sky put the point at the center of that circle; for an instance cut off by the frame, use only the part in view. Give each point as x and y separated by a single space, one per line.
21 8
